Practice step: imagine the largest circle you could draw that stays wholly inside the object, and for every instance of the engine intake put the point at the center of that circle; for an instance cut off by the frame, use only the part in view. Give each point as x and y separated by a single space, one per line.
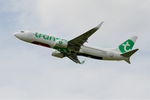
58 54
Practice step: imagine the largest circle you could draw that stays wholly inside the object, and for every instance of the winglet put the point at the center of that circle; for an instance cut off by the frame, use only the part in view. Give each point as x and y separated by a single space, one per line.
82 62
98 26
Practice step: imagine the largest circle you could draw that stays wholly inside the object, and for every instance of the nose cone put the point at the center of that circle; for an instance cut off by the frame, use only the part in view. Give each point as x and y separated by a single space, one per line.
16 34
24 36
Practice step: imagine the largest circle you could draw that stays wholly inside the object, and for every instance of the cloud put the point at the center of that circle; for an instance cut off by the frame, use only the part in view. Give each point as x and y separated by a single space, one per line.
29 72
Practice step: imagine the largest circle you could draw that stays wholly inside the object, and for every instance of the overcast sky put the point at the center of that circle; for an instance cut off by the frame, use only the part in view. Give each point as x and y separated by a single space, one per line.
29 72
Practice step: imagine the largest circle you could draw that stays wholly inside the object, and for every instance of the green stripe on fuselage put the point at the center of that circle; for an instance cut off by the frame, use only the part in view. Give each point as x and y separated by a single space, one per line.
48 37
55 39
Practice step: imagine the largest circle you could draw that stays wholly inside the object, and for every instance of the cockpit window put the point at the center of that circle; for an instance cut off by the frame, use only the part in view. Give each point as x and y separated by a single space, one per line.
22 31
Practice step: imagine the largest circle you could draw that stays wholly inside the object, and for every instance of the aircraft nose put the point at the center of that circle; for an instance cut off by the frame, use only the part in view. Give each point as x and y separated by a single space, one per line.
16 34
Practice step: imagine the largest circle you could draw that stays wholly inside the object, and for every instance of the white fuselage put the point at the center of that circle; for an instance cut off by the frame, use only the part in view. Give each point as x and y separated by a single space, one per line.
61 44
103 54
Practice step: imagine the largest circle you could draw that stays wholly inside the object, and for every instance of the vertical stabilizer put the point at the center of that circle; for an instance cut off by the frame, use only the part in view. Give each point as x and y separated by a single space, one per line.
127 45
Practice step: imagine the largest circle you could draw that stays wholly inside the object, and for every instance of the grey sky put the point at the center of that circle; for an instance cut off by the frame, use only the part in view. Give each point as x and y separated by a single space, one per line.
30 72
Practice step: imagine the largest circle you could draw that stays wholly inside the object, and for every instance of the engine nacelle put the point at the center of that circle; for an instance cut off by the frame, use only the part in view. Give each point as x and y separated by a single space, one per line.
57 54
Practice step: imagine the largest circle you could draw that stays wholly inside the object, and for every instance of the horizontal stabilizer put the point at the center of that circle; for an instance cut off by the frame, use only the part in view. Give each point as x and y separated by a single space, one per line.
129 53
128 61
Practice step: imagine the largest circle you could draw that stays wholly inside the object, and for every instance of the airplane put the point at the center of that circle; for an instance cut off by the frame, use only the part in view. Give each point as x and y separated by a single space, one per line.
75 47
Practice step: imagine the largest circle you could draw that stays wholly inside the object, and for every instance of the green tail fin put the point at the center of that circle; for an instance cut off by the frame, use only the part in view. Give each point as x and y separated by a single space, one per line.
127 45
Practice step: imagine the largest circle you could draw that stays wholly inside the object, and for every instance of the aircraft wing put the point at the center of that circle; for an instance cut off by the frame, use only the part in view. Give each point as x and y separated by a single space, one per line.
74 58
76 43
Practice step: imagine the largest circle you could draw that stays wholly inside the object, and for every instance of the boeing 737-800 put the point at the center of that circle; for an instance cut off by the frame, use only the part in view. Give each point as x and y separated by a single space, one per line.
74 48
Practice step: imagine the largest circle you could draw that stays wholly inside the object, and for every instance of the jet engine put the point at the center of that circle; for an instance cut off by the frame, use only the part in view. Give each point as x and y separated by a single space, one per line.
58 54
